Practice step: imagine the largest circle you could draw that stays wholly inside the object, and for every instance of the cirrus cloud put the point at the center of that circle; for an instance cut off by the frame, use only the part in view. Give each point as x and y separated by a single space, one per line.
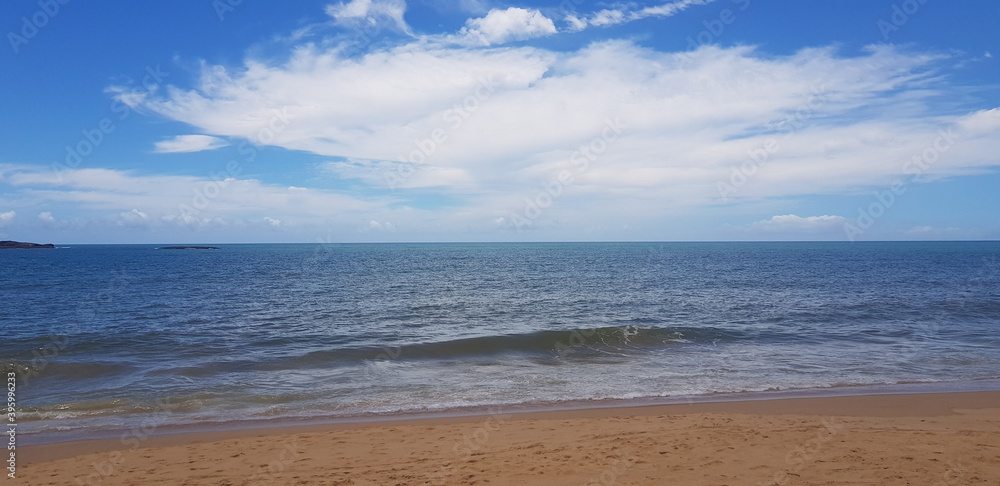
370 13
189 143
490 123
622 14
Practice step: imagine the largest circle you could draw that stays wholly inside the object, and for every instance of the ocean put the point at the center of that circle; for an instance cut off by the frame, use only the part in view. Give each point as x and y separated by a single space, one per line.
104 338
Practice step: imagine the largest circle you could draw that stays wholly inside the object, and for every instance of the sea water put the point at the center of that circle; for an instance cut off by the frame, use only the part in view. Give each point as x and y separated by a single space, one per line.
107 337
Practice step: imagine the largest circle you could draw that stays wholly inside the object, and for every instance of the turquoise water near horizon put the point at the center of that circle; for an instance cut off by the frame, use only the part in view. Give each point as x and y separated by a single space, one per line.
104 337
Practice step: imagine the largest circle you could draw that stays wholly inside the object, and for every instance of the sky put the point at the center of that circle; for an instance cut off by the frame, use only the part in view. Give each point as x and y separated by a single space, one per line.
231 121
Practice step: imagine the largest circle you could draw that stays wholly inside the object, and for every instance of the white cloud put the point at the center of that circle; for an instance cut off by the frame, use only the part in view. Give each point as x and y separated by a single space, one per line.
189 143
169 201
501 26
7 217
515 116
372 108
668 9
370 13
575 23
607 17
932 232
398 175
794 223
132 218
46 217
381 226
619 15
494 127
980 123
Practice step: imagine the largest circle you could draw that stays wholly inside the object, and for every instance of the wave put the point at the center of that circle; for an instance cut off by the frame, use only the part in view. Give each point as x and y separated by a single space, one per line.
628 338
632 337
29 369
84 408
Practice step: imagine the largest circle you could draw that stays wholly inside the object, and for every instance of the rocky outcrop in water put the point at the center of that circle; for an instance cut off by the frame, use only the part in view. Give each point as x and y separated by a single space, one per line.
188 248
7 244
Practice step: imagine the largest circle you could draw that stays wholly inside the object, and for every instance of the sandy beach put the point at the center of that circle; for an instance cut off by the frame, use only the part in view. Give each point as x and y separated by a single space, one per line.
926 439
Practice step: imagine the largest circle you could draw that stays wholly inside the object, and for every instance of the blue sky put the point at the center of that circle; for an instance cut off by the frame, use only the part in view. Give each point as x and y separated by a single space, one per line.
476 120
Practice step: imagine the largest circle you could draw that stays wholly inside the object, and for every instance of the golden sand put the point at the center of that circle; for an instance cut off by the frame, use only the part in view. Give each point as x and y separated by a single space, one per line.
922 439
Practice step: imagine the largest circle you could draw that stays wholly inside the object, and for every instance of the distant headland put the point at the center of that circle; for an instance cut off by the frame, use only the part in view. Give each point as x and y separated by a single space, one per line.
7 244
188 248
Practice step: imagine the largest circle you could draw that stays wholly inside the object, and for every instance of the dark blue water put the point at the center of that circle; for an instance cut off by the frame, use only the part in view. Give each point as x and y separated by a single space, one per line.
109 335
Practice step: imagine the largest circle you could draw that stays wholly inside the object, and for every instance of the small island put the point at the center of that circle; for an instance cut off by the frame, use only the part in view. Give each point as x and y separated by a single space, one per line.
7 244
188 248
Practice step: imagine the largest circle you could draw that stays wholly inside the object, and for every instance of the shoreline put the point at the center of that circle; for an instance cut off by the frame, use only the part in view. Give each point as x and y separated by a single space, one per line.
158 429
941 434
